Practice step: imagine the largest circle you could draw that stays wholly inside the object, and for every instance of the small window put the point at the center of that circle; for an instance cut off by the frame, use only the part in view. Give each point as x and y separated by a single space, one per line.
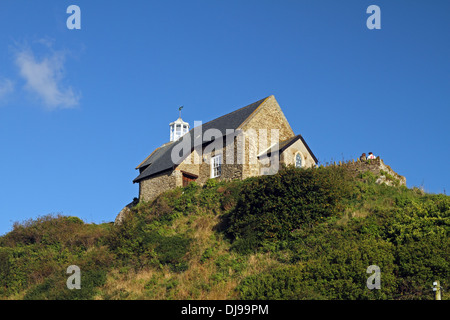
298 160
216 166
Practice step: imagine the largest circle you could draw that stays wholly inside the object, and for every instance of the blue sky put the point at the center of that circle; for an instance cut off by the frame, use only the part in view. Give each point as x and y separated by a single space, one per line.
80 109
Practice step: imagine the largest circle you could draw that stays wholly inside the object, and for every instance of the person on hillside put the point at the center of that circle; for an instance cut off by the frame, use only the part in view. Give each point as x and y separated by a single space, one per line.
363 157
371 156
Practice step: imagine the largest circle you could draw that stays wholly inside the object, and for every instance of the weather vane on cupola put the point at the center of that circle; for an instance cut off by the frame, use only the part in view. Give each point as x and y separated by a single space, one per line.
178 128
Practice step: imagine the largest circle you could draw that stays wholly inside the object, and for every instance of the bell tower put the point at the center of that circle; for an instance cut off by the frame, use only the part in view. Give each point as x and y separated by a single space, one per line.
178 128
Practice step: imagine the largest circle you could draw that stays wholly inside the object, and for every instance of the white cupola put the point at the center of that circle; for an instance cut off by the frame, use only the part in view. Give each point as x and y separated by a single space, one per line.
178 128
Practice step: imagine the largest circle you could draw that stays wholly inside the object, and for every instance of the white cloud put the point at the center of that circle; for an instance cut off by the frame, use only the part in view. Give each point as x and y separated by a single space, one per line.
44 78
6 87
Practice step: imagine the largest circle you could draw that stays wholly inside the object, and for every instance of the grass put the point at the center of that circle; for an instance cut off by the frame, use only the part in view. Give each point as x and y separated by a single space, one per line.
180 247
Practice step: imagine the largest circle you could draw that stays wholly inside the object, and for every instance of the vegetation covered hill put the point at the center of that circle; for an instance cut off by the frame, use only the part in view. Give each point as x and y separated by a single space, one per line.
299 234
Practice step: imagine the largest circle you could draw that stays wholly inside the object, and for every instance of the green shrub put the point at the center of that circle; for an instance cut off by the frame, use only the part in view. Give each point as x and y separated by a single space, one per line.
35 250
138 243
170 249
282 283
269 208
210 183
55 287
54 230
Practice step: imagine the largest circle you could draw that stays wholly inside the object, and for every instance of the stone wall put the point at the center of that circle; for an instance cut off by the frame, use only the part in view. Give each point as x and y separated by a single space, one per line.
287 157
230 169
377 167
268 116
149 189
191 163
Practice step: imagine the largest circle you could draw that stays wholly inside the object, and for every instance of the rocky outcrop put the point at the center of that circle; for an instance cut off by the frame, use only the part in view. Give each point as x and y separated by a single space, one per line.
123 213
383 172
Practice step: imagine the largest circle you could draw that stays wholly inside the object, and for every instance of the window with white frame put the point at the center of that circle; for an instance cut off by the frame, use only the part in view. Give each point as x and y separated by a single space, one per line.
216 166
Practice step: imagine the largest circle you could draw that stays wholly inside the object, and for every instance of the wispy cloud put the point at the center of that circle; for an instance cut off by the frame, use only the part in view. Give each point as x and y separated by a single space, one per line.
44 77
6 87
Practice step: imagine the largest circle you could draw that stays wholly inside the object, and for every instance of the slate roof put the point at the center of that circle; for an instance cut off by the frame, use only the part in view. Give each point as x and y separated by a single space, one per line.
161 160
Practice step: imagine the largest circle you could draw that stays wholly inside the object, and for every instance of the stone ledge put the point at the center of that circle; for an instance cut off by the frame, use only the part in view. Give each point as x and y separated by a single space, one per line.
123 213
377 167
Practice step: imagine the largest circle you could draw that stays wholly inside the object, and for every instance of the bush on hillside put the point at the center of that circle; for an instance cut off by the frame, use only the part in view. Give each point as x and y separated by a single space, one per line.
141 241
37 250
269 208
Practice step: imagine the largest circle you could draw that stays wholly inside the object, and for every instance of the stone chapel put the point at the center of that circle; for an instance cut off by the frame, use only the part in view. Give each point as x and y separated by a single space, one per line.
250 141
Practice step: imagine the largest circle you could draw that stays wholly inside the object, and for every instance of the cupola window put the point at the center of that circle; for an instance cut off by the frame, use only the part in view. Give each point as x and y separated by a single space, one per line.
178 128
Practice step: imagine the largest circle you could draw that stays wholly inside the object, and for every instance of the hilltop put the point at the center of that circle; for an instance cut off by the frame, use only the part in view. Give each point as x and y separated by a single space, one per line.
298 234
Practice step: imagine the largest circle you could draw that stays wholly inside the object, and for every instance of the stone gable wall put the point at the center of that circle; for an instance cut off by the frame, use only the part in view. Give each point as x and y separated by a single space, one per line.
287 157
268 116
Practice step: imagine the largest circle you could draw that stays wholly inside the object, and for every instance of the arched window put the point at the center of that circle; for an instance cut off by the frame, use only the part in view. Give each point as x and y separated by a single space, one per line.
298 160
